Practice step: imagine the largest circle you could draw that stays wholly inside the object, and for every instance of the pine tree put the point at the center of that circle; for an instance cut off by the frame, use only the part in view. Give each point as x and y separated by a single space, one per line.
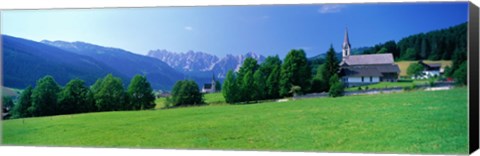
331 66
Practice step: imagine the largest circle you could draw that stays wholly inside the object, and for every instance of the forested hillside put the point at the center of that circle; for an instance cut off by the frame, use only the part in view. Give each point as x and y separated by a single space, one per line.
434 45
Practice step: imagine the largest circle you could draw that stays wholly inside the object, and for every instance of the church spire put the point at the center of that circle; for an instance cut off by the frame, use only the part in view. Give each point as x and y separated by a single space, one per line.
346 45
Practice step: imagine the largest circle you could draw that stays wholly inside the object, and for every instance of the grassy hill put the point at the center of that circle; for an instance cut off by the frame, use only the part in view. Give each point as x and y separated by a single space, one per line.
411 122
403 65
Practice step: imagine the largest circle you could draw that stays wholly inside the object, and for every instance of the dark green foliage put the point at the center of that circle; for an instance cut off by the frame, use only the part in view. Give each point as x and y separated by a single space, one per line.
218 86
110 95
259 86
336 88
186 93
434 45
24 102
7 105
409 54
245 79
271 70
140 93
327 70
294 71
44 97
230 88
74 98
460 75
448 71
273 83
415 69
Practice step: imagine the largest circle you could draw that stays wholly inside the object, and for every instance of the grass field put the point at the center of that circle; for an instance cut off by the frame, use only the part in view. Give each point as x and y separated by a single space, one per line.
412 122
403 65
210 99
390 85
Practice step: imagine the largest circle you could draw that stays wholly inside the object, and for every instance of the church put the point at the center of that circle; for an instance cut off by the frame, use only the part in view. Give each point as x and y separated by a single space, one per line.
359 70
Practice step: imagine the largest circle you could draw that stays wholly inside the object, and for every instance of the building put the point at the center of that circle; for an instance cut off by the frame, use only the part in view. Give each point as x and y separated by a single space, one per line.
358 70
430 69
210 87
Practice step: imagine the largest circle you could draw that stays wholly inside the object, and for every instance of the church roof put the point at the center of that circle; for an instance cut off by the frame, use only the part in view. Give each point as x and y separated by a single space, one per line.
368 59
370 70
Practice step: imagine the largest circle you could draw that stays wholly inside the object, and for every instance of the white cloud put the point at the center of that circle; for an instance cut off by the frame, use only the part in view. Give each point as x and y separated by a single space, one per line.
189 28
325 9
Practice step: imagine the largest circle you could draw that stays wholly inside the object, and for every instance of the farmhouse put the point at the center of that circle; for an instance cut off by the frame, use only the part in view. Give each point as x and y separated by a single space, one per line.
209 87
358 70
430 70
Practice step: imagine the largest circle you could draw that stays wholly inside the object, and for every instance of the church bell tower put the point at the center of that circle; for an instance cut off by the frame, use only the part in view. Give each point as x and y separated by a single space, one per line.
346 45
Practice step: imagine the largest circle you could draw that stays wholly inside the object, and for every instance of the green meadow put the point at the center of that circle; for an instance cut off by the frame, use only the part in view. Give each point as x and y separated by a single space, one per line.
429 122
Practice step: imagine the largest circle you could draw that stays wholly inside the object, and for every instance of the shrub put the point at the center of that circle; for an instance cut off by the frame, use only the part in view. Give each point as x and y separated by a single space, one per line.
336 90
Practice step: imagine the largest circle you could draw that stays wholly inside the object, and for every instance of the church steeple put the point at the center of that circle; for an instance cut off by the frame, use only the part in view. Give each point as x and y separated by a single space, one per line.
346 45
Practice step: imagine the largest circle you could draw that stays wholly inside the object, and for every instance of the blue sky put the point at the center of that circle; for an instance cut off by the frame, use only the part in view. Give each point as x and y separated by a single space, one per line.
220 30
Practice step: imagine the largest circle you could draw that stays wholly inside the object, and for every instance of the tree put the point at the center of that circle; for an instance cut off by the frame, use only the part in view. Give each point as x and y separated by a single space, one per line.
7 105
415 69
460 75
248 86
259 86
294 71
330 68
74 98
110 96
336 88
273 83
140 93
271 70
319 83
44 97
230 88
410 54
218 86
244 81
185 93
24 102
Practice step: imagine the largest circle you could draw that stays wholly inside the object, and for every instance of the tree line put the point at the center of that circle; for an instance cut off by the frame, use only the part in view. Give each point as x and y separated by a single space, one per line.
435 45
106 94
275 78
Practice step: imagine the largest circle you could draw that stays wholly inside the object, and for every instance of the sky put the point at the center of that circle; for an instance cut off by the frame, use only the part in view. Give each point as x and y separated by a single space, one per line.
221 30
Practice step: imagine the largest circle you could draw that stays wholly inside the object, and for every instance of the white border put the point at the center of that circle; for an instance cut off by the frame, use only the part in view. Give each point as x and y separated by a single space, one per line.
74 151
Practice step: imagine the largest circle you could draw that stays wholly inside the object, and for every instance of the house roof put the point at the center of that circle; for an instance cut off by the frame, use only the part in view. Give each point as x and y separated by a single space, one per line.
368 59
370 70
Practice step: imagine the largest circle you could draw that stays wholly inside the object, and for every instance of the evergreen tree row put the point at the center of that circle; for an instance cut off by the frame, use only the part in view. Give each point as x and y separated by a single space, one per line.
435 45
275 79
107 94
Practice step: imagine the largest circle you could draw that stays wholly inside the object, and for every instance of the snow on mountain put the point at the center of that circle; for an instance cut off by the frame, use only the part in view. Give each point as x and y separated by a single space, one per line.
203 62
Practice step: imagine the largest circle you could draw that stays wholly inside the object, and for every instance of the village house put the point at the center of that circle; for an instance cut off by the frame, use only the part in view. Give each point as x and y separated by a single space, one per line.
358 70
430 69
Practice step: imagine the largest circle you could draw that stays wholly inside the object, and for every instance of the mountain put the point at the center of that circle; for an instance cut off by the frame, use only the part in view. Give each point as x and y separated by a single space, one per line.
25 61
160 74
190 61
203 64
